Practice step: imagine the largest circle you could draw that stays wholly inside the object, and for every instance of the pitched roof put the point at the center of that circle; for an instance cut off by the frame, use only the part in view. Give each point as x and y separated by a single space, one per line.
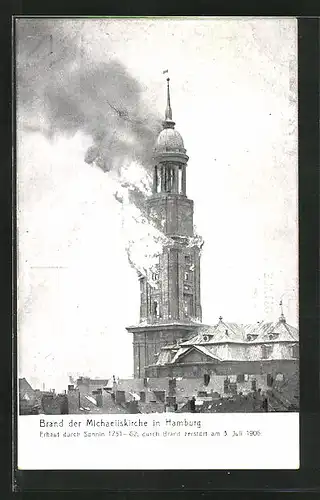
204 350
109 406
279 331
224 332
154 407
181 351
164 356
24 385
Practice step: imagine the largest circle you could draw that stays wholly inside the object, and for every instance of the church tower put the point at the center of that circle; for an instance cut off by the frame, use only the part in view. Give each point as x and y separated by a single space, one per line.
170 307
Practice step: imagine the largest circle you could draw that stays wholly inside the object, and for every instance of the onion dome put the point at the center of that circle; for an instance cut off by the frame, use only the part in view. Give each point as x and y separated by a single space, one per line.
169 139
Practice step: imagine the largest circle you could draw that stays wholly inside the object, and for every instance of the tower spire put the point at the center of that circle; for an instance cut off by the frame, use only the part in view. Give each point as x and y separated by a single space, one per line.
168 123
168 114
282 318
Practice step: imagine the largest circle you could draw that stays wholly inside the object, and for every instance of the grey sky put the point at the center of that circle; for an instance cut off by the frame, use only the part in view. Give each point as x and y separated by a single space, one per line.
234 100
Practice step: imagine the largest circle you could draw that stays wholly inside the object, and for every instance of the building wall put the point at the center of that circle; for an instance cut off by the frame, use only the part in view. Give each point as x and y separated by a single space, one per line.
55 404
172 286
74 400
86 385
286 367
147 346
248 352
171 292
172 214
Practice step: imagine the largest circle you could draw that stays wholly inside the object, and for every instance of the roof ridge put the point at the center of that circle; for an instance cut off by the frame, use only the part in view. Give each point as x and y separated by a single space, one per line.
200 347
232 328
288 330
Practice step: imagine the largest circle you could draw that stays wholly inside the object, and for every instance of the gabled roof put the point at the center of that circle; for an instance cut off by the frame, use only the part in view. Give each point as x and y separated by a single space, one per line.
180 352
279 331
25 387
164 356
225 332
219 333
202 349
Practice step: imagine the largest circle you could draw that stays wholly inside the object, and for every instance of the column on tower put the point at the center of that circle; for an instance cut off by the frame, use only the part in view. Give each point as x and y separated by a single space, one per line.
155 180
143 299
197 305
176 179
167 178
173 283
183 181
162 177
179 180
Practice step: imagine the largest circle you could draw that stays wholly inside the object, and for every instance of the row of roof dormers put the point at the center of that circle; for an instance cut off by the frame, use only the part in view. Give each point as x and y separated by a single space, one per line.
279 331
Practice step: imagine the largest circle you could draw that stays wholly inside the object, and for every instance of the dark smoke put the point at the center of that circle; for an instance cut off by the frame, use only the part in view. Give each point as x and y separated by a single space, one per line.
61 90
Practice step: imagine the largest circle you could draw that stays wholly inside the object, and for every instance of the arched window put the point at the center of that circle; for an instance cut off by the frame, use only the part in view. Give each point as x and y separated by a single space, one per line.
188 305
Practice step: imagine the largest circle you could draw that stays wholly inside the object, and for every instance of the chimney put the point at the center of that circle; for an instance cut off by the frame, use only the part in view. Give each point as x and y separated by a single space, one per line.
98 397
172 386
142 396
120 397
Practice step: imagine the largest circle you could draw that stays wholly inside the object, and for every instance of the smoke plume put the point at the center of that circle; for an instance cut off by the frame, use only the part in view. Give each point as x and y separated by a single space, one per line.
61 89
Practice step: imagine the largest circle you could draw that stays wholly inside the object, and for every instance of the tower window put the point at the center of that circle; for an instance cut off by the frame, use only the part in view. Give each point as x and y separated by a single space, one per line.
188 305
186 276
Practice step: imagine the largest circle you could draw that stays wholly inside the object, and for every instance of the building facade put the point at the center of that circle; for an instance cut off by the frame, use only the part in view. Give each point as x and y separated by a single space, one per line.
233 349
170 305
170 340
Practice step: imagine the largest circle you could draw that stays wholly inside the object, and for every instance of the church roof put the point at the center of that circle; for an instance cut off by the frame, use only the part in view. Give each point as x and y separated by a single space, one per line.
164 356
220 333
169 139
204 350
261 332
279 331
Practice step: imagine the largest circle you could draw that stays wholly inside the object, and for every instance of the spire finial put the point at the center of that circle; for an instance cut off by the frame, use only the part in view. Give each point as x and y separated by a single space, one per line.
168 123
282 318
168 114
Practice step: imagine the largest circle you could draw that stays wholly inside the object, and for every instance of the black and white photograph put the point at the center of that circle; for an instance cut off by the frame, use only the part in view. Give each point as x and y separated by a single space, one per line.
157 213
